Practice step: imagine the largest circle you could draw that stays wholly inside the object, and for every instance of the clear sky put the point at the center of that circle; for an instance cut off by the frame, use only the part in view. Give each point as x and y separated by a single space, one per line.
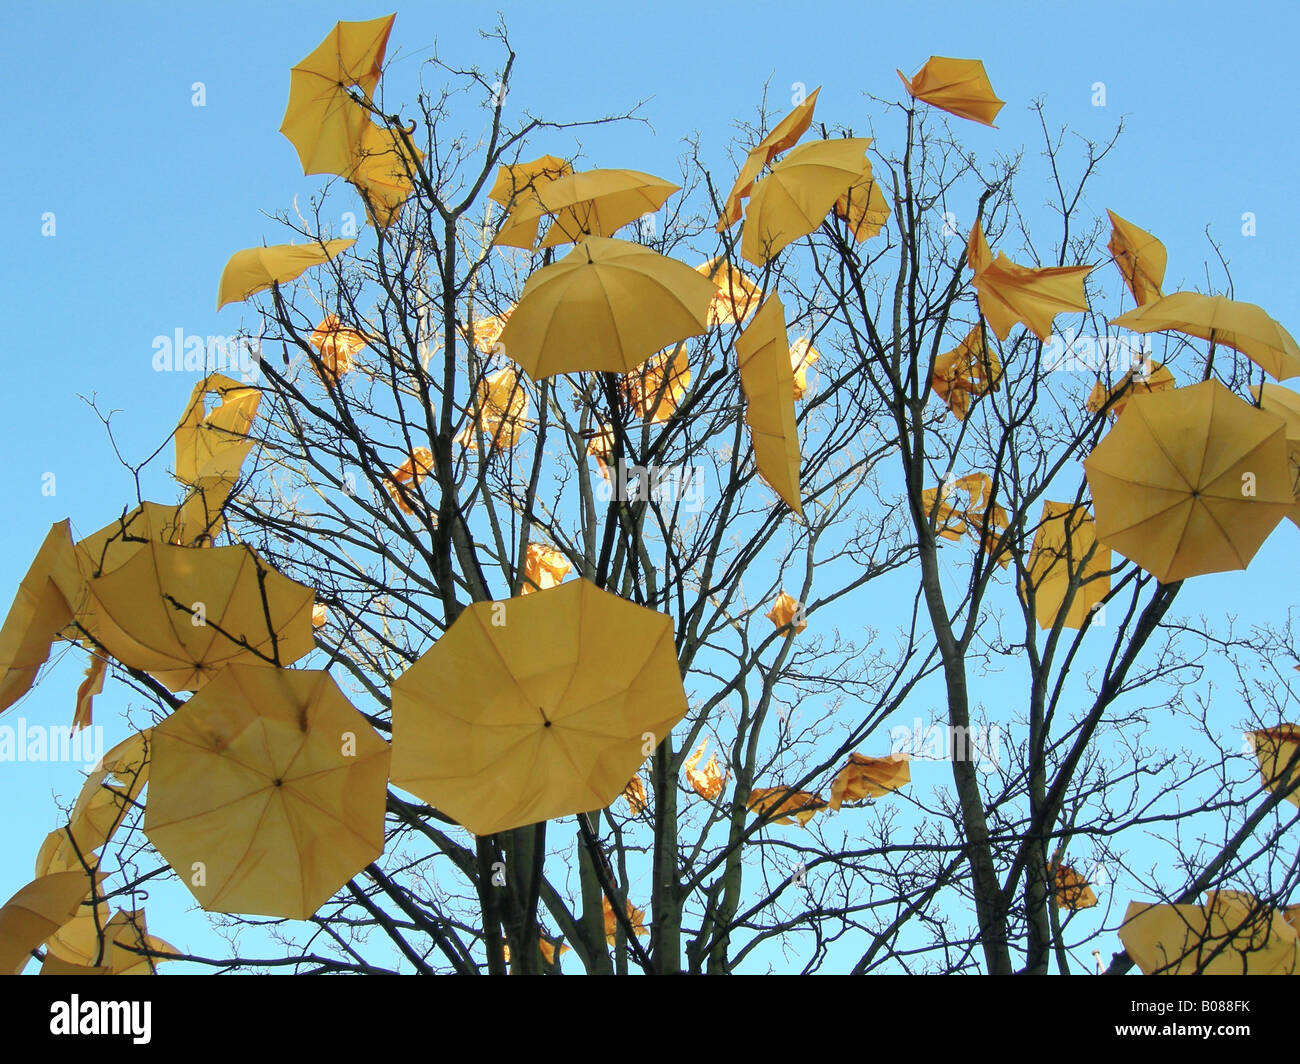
150 194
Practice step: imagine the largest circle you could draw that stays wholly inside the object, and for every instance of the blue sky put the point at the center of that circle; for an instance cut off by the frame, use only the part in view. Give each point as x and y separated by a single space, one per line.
151 195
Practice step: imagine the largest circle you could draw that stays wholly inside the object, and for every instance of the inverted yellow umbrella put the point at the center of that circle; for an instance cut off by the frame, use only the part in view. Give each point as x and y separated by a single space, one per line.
214 443
969 370
1141 258
1275 749
1009 293
536 708
1190 481
869 777
383 172
322 121
36 912
183 614
737 296
1150 376
267 792
959 86
798 192
1230 934
783 135
708 781
607 305
763 357
1241 326
864 207
544 567
254 270
517 184
583 204
500 411
1066 534
654 390
337 346
780 805
40 611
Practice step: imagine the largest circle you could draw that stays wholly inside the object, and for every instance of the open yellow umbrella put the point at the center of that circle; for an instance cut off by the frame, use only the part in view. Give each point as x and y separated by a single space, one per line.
1150 376
516 184
535 708
763 357
869 777
544 567
1010 293
798 192
254 270
267 792
1275 749
383 172
1231 933
583 204
607 305
337 345
959 86
783 135
654 390
864 207
969 370
40 611
737 296
500 412
37 911
780 805
1241 326
214 443
708 781
1190 481
1141 258
322 121
1284 403
183 614
1066 534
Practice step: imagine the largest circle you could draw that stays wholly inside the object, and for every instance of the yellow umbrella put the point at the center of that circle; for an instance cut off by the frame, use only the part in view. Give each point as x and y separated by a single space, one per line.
214 443
794 198
959 86
1141 258
322 121
708 781
588 203
1230 934
634 792
869 777
382 172
500 412
785 609
184 614
1190 481
737 296
802 357
784 135
1275 749
544 567
607 305
1284 403
337 346
107 795
1242 326
864 207
654 390
636 917
517 184
114 949
37 911
763 357
1065 535
1150 376
601 448
782 806
1071 889
970 369
412 471
40 611
92 685
267 792
485 332
535 708
1009 293
254 270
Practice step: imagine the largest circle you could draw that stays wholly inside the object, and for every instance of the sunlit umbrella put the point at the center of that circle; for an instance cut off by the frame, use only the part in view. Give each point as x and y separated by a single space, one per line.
517 184
1071 889
1241 326
783 135
708 781
636 917
802 357
337 345
536 708
500 411
544 567
1275 749
969 370
322 121
412 471
869 777
782 806
654 390
270 784
959 86
40 611
1150 376
120 947
864 207
798 193
583 204
1230 934
786 609
1010 293
607 305
383 171
1190 481
1285 404
254 270
1066 534
763 357
214 443
36 912
737 296
1141 258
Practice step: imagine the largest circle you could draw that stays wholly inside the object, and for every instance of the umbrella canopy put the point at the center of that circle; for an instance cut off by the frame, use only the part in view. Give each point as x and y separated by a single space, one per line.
1241 326
382 171
969 370
322 121
959 86
39 612
544 567
588 203
864 207
784 135
1190 481
802 358
1276 749
708 781
37 911
1066 535
763 356
780 805
412 471
337 345
737 296
794 198
654 390
500 411
214 443
869 777
1230 934
274 785
786 609
1150 376
254 270
536 708
607 305
184 614
81 948
517 184
1141 258
1284 403
1072 890
1009 293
